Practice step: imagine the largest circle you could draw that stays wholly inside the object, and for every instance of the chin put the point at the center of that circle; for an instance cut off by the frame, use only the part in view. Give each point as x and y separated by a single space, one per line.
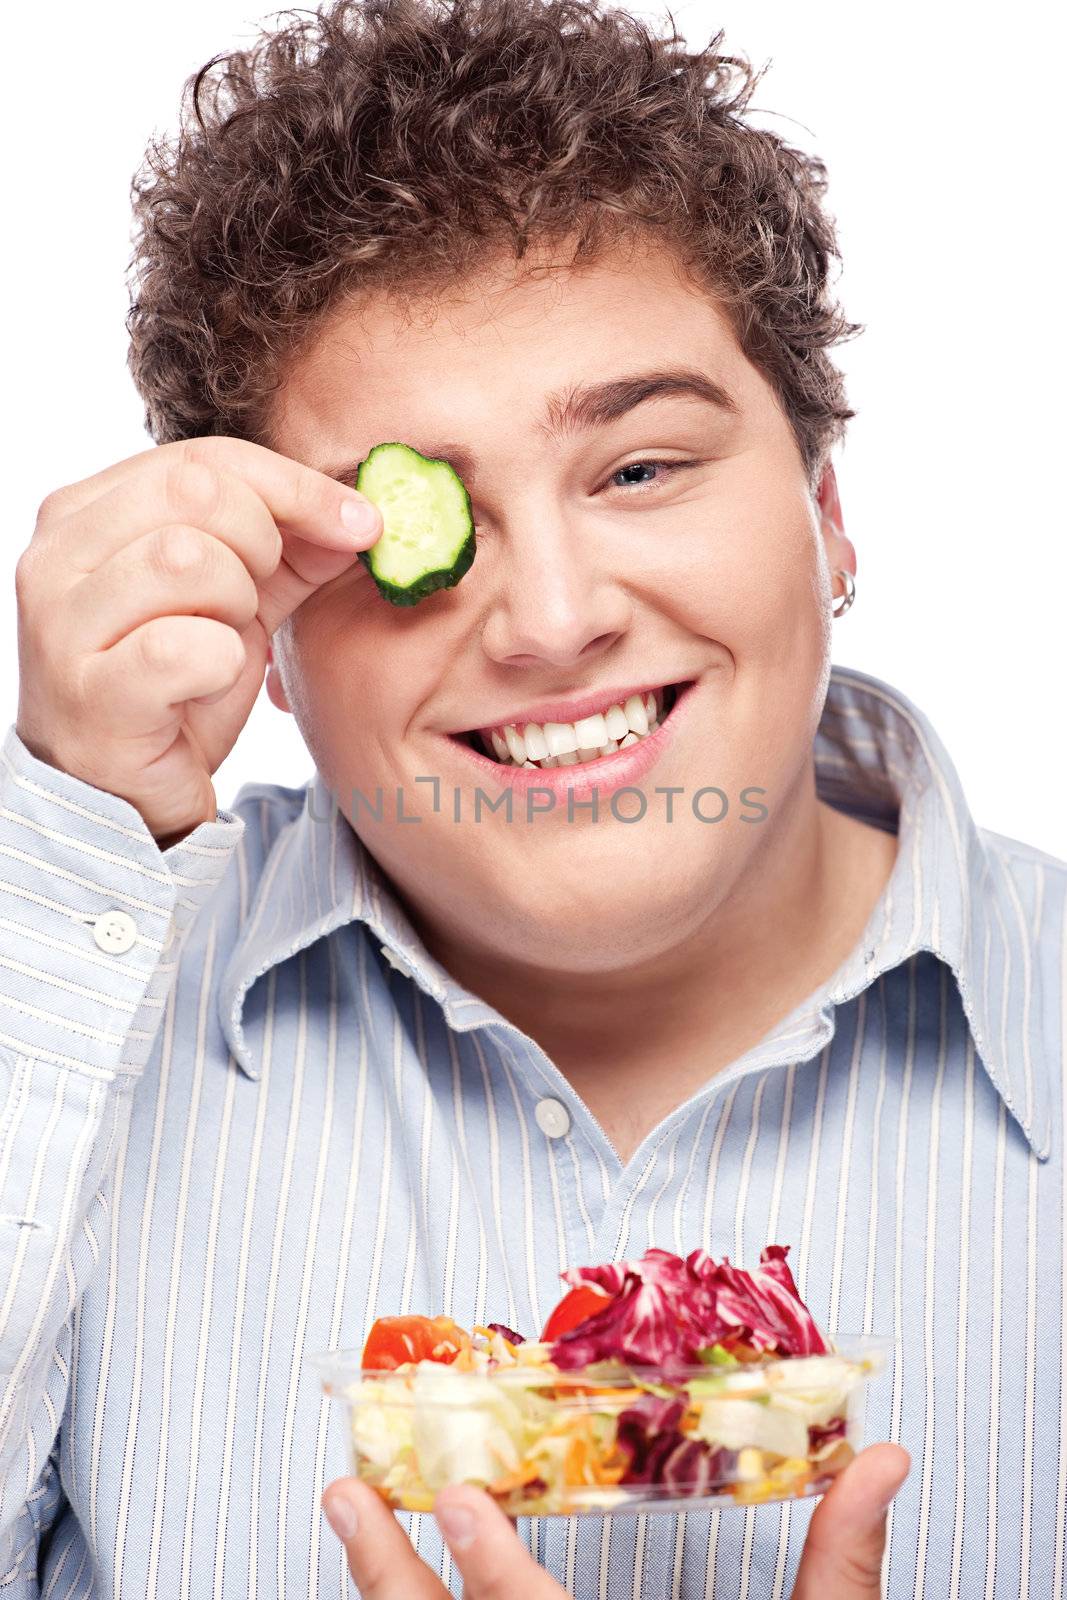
594 930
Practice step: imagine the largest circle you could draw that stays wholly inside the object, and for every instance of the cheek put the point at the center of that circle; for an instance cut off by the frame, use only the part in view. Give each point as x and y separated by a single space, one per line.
335 659
367 672
751 584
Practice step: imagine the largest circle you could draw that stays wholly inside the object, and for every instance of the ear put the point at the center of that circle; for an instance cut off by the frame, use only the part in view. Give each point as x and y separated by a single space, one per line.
840 550
275 689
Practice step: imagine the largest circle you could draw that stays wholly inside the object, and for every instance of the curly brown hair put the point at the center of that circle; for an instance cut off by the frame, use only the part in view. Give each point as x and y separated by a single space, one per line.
390 145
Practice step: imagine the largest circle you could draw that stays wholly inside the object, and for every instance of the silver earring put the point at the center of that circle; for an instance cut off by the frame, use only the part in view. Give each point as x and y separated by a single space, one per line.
849 595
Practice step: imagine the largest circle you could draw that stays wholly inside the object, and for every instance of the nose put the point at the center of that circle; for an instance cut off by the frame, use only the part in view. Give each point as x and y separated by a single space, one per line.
557 598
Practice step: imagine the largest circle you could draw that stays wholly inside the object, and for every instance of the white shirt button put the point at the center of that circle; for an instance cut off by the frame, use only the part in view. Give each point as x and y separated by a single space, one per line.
553 1118
397 961
115 932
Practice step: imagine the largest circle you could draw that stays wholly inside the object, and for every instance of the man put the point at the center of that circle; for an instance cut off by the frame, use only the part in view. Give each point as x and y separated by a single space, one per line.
279 1070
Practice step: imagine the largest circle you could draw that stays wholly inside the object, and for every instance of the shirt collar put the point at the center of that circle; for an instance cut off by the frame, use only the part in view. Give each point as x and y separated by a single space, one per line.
876 756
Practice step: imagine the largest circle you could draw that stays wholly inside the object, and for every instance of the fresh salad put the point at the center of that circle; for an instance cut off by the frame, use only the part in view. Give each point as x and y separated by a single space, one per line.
653 1382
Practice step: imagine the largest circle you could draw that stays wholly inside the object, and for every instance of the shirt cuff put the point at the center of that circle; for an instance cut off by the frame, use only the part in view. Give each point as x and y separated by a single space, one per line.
91 913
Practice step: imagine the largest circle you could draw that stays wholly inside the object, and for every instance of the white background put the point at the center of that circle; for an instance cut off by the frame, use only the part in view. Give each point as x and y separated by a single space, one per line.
943 141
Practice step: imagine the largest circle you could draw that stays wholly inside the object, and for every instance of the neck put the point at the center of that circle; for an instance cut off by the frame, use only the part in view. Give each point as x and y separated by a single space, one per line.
781 931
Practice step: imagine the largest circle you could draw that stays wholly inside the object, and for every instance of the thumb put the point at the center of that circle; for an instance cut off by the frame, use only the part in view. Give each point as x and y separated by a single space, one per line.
492 1560
843 1552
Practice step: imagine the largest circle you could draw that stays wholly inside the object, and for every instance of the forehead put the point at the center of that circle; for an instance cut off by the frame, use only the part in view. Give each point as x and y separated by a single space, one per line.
490 350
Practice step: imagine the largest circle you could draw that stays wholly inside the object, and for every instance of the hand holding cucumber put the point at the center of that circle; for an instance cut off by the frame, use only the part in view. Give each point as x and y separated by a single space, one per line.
146 600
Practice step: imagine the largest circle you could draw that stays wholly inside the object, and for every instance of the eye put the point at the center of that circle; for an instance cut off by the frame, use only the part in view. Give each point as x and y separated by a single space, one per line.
665 469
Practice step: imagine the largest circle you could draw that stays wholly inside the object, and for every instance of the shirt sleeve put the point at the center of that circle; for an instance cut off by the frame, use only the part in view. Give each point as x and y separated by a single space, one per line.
92 915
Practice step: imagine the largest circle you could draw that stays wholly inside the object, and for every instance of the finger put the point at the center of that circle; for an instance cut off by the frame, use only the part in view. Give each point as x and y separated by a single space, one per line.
135 686
843 1552
172 571
381 1559
304 569
286 566
299 498
167 489
285 562
494 1562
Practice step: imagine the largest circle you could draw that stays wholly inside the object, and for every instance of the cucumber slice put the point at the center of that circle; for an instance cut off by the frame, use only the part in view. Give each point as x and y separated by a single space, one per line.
427 542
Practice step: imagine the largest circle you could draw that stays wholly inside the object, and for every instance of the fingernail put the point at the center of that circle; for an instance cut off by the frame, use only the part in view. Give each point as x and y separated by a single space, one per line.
457 1524
341 1515
359 516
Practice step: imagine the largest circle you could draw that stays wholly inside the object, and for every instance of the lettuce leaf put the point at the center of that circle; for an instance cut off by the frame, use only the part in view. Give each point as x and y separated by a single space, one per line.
746 1424
465 1429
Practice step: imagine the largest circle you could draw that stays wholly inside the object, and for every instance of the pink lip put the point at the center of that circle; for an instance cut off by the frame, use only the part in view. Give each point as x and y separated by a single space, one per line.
605 774
570 710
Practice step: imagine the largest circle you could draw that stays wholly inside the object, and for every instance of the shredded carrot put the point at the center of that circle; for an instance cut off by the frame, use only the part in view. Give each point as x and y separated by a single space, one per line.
513 1480
576 1462
746 1355
410 1500
584 1463
629 1391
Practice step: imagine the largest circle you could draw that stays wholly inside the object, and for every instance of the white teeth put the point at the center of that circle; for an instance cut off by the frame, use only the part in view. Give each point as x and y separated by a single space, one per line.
635 714
532 766
560 738
534 740
615 722
564 744
591 732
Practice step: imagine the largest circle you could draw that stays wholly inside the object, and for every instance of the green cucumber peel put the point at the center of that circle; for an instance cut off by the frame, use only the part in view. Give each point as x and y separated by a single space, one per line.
427 540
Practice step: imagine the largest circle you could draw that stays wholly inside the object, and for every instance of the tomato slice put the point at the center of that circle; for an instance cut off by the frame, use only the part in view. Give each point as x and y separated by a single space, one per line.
584 1301
393 1340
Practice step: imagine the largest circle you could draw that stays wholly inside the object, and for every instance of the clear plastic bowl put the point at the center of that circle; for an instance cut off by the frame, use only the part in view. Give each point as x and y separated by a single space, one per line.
606 1440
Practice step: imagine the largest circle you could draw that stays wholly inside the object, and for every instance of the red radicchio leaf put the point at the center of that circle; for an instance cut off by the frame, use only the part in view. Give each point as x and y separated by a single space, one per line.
765 1306
509 1334
663 1309
820 1434
660 1453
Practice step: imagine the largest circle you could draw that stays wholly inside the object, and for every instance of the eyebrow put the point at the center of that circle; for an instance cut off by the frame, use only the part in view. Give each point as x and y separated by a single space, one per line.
580 409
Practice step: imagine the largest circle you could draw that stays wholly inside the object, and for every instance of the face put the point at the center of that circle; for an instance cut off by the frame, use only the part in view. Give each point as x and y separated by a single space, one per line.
673 542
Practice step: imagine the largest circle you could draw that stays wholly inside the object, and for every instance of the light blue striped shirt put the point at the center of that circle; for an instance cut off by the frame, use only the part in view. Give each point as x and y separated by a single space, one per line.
275 1116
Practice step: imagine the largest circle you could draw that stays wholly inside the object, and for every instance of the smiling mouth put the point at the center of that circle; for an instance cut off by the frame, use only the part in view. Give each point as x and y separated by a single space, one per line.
567 744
